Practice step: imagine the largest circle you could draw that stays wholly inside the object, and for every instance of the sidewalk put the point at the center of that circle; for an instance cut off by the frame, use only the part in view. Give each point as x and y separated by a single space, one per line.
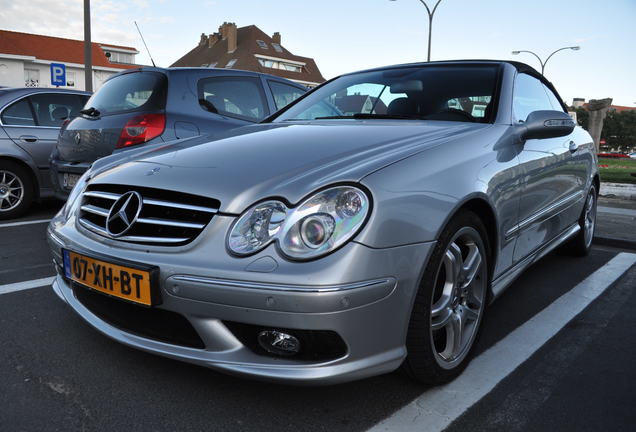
616 220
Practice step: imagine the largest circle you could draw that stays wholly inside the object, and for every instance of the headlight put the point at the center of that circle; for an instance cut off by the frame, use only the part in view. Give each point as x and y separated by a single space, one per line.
75 193
320 224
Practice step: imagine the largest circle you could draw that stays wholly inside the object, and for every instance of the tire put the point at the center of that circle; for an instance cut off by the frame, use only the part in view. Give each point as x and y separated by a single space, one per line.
581 244
16 190
452 295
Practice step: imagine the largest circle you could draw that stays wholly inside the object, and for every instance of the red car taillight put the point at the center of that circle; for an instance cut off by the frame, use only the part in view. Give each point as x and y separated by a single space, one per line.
141 129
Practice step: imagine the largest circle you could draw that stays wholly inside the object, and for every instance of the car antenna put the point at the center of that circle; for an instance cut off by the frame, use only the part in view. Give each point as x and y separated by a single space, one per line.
142 39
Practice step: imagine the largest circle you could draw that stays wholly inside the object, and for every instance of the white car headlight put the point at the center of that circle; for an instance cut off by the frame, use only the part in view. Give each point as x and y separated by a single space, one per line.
319 225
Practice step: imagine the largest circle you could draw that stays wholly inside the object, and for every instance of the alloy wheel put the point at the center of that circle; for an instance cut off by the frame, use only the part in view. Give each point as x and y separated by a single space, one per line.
589 218
11 191
458 298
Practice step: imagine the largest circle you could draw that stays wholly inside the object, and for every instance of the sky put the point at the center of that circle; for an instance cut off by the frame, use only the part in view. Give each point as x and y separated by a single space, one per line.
348 35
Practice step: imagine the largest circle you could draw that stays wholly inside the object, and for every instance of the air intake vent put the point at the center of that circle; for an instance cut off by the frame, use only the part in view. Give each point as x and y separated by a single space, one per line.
144 215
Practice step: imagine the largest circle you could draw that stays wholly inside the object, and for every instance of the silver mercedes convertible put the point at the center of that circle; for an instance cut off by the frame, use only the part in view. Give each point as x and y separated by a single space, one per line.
363 228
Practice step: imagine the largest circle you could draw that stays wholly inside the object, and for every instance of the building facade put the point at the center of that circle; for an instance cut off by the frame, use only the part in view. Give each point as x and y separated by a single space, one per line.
249 48
25 60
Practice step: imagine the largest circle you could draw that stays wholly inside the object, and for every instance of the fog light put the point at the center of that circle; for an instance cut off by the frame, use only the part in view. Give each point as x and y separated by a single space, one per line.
279 343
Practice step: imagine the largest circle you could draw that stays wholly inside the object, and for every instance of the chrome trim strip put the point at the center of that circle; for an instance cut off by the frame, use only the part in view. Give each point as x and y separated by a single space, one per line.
505 279
95 210
278 287
167 222
150 201
95 228
105 195
543 212
153 239
156 202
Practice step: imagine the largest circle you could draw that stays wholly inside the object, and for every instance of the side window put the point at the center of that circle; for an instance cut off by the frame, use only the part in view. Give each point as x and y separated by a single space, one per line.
556 105
284 94
52 108
239 97
529 96
18 114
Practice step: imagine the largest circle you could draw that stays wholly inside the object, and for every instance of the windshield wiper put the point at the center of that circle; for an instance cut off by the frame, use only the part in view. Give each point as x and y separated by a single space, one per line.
373 116
208 106
92 111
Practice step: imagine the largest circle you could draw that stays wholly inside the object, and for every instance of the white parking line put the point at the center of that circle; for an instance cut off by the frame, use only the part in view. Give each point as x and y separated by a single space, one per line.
12 224
437 408
19 286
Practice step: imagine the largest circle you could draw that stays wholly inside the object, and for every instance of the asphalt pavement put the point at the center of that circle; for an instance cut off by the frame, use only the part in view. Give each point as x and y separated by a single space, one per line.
58 374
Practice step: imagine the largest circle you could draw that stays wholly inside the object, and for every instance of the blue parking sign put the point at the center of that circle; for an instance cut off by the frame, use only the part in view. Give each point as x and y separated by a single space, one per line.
58 74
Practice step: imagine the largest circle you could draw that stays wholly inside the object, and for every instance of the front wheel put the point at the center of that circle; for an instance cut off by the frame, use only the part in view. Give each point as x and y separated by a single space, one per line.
581 244
450 302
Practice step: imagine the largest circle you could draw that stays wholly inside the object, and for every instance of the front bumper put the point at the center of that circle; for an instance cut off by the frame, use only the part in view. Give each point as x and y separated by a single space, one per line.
364 295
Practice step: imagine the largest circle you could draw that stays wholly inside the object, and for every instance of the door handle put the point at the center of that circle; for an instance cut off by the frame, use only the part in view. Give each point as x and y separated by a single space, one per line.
29 138
573 147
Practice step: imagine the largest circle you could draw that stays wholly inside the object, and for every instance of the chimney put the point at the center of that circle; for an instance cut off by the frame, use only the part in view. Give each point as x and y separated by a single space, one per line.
228 31
231 38
276 38
203 39
214 38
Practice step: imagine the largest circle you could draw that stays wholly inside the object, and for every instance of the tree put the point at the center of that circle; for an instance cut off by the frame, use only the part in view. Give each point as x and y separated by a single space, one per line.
619 130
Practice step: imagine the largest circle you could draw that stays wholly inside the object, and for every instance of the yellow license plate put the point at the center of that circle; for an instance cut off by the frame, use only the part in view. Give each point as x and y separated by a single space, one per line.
116 280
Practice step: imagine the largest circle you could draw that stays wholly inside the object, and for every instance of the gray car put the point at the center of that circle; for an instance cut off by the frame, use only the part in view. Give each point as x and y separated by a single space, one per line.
152 106
30 119
364 228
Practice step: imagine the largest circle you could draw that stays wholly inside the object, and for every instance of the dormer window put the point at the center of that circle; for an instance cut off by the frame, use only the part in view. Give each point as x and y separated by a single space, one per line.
274 64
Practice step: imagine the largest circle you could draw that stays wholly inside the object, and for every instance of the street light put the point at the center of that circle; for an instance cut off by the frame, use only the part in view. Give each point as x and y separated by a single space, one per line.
430 23
543 63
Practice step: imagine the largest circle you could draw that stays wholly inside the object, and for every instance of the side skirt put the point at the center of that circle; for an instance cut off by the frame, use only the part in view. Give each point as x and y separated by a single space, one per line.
504 280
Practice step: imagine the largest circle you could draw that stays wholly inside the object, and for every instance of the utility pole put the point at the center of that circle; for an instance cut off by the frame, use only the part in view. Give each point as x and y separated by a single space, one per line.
88 49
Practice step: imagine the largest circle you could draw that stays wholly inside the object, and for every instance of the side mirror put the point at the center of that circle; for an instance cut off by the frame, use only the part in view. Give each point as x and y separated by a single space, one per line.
547 124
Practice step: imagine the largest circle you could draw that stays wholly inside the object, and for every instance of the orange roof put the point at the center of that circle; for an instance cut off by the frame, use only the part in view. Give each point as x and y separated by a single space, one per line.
56 49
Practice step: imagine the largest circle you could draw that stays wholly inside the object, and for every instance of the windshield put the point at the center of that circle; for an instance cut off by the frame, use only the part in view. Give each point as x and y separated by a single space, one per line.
450 92
131 91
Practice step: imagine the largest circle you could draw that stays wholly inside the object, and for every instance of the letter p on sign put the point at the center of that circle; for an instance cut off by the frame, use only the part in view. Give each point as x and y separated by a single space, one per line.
58 74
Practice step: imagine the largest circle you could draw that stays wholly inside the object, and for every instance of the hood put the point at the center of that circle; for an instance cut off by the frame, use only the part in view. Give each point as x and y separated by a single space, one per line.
284 160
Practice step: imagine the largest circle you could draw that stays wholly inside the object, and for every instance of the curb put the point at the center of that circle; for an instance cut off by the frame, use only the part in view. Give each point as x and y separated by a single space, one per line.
614 242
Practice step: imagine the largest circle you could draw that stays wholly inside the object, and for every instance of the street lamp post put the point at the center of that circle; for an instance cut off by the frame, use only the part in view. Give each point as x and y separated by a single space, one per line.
431 13
543 63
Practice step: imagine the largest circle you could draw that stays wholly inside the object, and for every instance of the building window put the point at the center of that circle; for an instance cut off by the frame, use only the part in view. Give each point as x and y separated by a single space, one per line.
274 64
230 64
277 47
31 77
118 57
261 44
